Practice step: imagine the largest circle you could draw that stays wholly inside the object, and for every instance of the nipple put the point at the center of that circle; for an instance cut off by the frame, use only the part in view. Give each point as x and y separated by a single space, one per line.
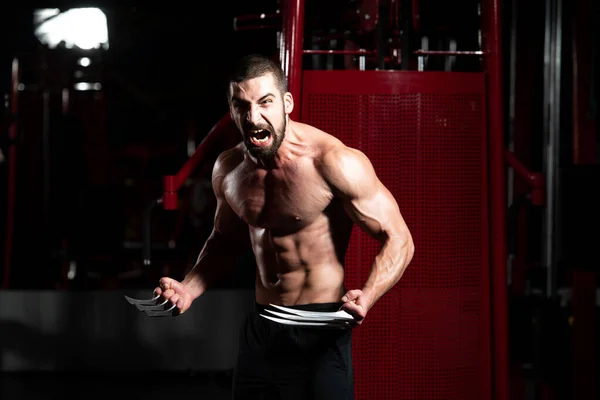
297 218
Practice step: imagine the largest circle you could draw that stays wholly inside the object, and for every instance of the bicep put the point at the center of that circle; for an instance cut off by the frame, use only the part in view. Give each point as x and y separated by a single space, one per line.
366 199
375 211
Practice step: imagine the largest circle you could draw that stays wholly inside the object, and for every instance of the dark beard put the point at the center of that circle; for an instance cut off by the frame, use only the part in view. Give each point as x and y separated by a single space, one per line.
268 153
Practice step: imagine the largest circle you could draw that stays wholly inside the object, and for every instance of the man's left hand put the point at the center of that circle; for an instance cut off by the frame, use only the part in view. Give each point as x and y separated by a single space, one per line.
357 304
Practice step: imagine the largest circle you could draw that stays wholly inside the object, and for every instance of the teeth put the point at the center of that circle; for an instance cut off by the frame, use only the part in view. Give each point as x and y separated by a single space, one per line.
260 140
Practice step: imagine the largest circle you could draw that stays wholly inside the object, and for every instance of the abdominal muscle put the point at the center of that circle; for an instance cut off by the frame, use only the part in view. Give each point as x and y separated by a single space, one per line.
298 268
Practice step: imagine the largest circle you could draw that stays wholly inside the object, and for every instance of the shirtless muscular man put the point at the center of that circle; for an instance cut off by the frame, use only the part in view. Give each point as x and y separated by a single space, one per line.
293 192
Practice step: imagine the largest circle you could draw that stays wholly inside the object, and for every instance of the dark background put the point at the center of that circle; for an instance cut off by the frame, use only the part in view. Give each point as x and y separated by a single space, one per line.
163 81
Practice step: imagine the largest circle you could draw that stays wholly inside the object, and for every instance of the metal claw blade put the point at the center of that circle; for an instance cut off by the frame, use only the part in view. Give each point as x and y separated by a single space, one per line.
148 302
154 307
170 312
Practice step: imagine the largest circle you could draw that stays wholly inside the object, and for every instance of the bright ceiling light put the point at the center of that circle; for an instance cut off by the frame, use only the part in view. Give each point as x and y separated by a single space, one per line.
85 28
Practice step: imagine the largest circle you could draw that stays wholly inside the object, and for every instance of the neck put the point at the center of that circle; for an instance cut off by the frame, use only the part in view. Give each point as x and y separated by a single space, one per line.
288 151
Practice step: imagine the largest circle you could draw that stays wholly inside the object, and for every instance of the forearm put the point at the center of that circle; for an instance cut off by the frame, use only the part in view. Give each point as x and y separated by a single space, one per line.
216 259
394 257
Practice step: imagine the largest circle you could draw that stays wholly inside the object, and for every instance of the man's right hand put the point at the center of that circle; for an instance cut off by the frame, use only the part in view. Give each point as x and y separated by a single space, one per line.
175 292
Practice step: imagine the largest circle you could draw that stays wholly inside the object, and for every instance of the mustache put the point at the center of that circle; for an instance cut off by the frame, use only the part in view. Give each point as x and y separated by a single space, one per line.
249 127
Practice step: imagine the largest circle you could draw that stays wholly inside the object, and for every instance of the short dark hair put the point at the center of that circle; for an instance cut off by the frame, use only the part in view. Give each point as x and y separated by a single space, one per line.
253 66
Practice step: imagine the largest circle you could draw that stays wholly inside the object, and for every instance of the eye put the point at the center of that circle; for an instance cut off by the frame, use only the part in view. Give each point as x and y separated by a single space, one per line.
238 106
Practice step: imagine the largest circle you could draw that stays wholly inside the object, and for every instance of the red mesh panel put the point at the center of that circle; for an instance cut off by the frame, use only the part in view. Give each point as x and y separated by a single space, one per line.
428 338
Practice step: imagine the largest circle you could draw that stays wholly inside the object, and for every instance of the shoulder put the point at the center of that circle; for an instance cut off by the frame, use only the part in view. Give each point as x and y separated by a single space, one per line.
229 160
344 168
336 157
226 162
329 151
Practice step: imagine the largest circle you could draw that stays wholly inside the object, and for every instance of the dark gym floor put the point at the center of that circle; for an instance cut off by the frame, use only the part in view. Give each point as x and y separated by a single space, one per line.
107 386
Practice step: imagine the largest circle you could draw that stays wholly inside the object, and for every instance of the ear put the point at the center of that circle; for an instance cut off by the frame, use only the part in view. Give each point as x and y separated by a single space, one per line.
288 102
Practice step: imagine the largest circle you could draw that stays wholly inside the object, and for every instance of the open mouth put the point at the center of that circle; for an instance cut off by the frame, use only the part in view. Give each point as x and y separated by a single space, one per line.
260 137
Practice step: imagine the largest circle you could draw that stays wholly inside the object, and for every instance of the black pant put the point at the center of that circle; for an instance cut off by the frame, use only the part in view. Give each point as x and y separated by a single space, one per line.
279 361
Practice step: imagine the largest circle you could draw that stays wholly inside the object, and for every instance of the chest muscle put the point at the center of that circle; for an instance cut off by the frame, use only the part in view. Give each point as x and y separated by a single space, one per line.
278 200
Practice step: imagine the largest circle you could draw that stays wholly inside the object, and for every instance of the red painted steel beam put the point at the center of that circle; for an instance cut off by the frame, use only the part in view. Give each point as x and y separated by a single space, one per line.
535 180
172 183
492 45
292 49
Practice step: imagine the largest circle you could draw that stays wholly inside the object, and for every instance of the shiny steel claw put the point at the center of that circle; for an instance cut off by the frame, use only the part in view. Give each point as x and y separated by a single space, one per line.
154 307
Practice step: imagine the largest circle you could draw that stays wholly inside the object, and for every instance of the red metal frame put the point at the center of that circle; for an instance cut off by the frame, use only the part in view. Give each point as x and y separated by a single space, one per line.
432 82
291 61
492 44
535 179
12 163
172 183
487 325
389 84
291 54
291 51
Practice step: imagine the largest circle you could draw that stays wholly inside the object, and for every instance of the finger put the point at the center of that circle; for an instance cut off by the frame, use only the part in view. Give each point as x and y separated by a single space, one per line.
351 295
353 308
167 294
356 311
180 304
173 299
157 291
363 301
165 283
168 283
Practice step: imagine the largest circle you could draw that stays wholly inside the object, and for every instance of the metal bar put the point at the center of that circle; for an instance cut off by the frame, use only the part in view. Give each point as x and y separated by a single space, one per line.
12 164
172 183
547 78
357 52
449 53
492 45
531 177
552 72
535 180
291 49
